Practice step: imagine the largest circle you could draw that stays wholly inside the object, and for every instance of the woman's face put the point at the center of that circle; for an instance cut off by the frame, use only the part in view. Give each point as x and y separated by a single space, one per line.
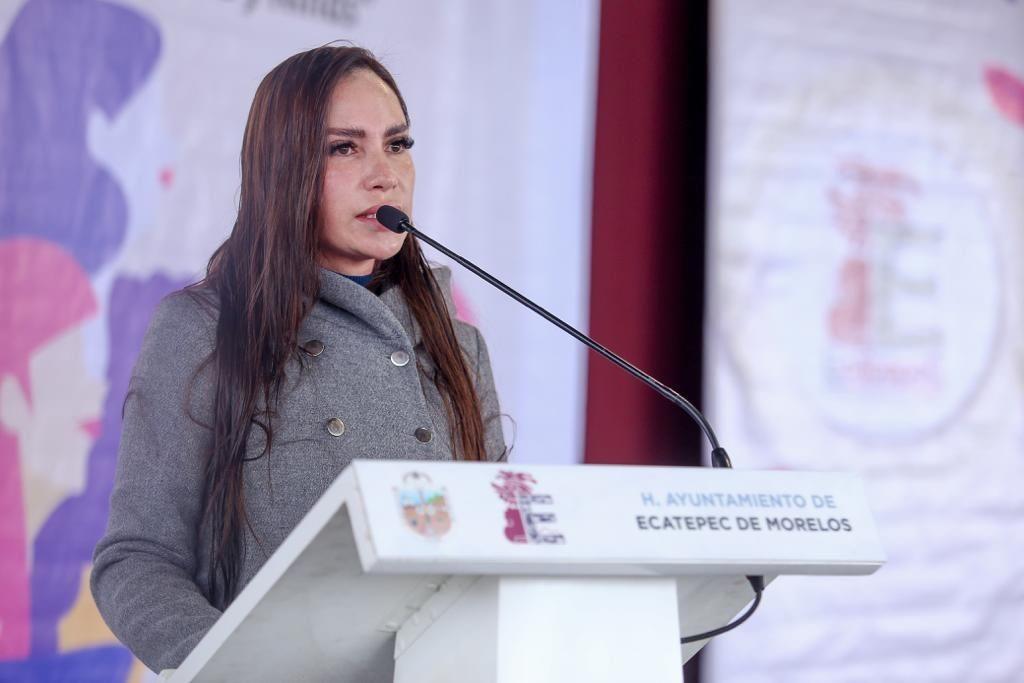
368 164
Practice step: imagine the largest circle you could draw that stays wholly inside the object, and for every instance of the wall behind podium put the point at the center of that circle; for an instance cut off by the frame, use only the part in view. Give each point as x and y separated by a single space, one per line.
865 300
120 129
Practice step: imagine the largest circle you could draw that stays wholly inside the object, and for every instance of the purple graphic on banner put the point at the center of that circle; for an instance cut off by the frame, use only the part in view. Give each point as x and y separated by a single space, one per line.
91 665
60 61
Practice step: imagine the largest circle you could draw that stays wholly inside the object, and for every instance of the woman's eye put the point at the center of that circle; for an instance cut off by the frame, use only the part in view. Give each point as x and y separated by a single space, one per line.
342 148
400 145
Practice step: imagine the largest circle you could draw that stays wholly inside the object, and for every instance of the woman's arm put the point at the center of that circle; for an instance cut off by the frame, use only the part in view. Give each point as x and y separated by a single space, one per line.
145 566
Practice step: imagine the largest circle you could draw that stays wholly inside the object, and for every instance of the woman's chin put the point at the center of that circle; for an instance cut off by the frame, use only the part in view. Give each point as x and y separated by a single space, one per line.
389 246
359 262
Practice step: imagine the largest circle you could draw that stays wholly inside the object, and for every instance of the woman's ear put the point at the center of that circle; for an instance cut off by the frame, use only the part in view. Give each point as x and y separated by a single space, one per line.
13 404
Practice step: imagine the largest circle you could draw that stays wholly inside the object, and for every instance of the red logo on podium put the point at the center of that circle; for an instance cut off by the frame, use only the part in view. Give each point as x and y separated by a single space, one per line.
526 511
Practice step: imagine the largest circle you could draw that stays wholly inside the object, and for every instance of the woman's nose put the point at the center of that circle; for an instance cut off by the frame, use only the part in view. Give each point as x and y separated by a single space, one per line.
380 175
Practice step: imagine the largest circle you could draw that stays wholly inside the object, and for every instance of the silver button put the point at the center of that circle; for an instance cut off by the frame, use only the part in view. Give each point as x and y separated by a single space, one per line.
313 347
400 358
423 434
335 427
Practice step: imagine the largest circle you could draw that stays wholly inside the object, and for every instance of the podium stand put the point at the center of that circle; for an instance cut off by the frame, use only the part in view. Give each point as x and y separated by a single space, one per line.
498 573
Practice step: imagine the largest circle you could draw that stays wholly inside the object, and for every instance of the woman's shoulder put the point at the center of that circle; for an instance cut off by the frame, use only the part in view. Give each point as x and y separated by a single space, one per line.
468 334
443 278
193 307
187 316
182 332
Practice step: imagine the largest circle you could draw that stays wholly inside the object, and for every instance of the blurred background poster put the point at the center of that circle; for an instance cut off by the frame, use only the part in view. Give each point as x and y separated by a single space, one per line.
865 294
120 130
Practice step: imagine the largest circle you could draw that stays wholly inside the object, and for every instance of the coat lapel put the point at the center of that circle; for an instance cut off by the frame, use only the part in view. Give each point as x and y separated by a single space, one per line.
388 314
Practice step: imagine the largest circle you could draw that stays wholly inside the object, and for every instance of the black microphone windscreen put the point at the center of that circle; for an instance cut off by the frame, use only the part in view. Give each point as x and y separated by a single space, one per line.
391 218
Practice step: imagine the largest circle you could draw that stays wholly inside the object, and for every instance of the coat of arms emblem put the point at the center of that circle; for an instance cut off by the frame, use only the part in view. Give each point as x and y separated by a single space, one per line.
424 505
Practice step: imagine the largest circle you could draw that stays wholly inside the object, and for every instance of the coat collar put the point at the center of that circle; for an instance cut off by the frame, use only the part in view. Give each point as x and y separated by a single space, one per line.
388 313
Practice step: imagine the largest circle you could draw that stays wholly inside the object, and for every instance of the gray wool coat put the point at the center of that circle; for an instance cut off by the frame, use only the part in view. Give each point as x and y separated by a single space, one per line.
348 395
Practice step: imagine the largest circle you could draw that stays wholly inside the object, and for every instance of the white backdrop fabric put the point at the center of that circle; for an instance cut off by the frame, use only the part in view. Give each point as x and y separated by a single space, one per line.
865 299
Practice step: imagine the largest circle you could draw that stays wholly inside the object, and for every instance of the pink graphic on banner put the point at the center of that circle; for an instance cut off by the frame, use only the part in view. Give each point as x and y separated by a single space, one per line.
848 319
523 519
873 347
1007 91
463 307
46 295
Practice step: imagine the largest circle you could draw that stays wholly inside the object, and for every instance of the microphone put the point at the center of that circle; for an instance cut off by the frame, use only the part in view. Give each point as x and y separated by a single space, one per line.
395 220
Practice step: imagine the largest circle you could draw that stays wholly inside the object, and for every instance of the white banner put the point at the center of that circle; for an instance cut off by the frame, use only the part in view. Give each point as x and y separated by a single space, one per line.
865 289
120 130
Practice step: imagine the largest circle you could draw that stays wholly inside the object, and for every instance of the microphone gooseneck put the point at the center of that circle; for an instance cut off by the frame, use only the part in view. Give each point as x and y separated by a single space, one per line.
395 220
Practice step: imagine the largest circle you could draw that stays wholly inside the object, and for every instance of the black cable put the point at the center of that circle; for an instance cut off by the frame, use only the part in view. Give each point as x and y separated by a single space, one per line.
757 583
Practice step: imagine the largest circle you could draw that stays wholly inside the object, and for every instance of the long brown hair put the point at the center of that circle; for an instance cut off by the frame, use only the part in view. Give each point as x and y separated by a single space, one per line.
265 278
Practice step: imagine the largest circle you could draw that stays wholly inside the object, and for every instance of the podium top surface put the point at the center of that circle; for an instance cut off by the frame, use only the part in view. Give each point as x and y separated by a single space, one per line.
483 518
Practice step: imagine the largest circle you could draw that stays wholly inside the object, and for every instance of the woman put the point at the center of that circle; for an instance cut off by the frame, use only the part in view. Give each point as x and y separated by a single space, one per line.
317 336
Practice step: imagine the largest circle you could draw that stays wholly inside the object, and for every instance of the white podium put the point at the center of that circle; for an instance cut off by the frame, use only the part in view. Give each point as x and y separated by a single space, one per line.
498 573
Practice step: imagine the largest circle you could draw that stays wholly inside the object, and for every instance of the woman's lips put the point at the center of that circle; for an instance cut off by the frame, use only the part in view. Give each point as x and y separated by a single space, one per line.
370 218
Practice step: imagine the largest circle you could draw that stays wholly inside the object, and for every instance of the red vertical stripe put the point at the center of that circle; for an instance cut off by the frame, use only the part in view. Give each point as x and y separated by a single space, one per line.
648 234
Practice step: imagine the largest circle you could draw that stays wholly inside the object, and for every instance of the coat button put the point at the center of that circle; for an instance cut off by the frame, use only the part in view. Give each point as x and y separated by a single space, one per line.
335 427
400 358
313 347
423 434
